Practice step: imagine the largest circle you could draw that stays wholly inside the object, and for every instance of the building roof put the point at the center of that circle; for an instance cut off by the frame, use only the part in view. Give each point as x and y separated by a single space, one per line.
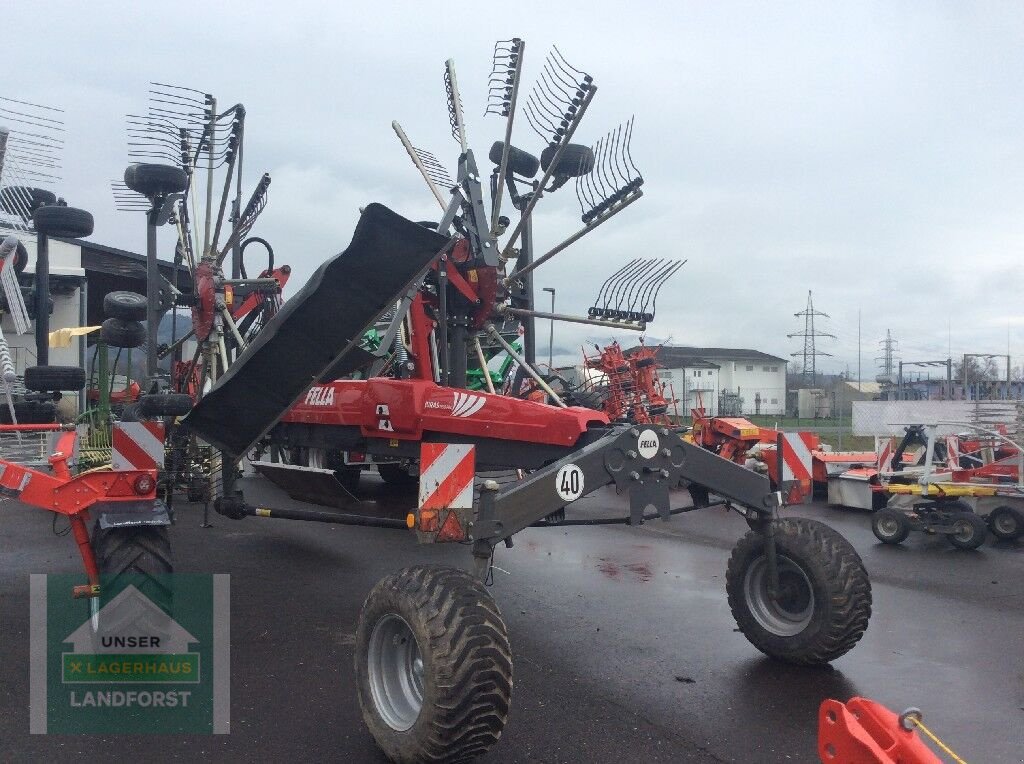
673 355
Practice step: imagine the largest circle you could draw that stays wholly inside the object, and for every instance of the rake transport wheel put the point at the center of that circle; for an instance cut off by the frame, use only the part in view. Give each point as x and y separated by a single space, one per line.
824 599
890 526
140 555
433 666
969 531
1006 523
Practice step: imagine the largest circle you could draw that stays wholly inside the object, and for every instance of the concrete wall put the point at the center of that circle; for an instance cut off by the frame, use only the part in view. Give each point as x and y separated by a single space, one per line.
752 377
684 383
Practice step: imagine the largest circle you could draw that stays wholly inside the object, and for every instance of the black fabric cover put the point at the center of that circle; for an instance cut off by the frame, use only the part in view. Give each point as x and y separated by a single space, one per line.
315 330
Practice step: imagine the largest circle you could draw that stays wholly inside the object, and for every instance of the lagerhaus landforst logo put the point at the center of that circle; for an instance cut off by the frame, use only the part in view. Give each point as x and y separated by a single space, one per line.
140 660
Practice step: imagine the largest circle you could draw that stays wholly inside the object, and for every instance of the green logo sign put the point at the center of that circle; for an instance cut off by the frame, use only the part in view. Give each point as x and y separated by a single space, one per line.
146 656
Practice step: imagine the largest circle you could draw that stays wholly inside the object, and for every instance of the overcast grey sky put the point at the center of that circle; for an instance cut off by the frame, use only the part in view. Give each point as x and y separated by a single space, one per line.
871 152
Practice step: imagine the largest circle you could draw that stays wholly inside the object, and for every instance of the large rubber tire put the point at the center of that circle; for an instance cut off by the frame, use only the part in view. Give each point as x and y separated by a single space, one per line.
433 666
64 222
129 306
969 531
154 179
118 333
825 595
165 404
14 199
1006 523
890 526
49 378
575 161
29 412
521 163
397 475
140 555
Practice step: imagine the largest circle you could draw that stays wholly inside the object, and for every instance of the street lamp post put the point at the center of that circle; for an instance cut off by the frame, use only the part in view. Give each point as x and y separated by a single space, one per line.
551 336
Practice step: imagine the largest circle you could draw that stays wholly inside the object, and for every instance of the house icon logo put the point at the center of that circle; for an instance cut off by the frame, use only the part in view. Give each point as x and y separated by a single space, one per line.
130 640
126 662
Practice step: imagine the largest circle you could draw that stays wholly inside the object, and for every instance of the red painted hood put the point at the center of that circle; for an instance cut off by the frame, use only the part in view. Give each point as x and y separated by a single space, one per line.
406 408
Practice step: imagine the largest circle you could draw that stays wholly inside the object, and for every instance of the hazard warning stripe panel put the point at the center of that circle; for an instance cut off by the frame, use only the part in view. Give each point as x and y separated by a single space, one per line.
447 471
137 446
796 458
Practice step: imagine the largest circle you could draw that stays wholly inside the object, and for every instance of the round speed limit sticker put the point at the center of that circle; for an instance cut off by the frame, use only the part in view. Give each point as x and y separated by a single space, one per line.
569 482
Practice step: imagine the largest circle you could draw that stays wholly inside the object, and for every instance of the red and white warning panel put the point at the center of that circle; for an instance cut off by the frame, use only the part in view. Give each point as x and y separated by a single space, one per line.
137 446
797 462
446 475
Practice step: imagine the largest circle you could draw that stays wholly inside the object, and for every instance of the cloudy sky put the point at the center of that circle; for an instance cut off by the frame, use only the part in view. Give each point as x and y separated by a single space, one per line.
870 152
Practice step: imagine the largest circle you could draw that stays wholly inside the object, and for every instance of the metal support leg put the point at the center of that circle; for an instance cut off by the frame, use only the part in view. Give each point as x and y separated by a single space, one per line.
42 300
152 298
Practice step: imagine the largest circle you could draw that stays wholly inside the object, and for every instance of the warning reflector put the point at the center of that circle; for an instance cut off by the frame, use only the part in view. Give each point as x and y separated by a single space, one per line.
137 446
446 475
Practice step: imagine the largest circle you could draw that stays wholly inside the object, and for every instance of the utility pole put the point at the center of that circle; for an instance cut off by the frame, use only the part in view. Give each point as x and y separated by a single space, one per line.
858 350
810 334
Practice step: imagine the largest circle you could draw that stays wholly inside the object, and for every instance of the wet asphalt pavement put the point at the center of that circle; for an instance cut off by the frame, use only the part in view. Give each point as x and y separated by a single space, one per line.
623 642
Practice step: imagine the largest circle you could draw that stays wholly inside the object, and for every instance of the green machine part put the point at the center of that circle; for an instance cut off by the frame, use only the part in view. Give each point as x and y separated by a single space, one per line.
498 366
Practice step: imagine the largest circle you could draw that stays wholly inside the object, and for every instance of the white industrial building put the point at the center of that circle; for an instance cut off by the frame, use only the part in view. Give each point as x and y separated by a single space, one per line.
721 378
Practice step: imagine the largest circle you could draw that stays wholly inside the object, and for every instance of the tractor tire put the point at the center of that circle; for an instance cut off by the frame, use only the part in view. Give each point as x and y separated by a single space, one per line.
521 163
890 526
969 531
396 475
825 595
576 160
1006 523
47 379
155 179
139 555
118 333
433 666
29 412
16 200
129 306
165 405
63 222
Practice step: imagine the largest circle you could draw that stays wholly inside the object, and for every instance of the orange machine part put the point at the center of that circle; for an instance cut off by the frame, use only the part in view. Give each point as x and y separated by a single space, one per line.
865 732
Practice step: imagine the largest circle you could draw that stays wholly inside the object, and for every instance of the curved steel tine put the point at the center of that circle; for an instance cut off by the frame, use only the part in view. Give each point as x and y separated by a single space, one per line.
654 300
604 292
638 279
660 273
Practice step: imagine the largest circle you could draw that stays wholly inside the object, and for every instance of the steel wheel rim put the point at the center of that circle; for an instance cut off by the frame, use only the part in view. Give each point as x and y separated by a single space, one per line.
395 669
963 531
888 526
1005 523
791 613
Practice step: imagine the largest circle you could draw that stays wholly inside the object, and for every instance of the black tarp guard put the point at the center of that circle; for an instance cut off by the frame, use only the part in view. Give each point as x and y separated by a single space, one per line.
315 329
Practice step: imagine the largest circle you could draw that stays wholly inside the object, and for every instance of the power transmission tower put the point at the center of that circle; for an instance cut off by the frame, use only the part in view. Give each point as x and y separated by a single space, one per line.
887 359
810 352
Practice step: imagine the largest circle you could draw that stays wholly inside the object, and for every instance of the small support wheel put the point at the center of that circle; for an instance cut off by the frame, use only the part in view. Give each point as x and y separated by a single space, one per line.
969 531
824 600
433 666
890 526
1006 523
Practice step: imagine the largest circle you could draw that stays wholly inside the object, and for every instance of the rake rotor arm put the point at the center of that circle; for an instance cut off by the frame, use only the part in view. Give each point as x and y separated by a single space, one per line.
524 313
569 241
565 140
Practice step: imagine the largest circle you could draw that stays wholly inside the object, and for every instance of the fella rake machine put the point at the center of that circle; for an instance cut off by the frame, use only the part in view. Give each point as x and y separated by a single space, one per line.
433 664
